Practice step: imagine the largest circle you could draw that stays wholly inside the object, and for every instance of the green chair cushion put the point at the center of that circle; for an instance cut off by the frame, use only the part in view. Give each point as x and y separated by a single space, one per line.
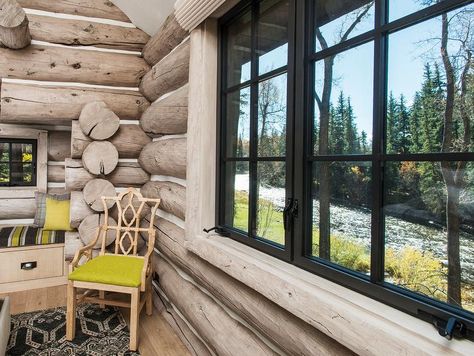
111 269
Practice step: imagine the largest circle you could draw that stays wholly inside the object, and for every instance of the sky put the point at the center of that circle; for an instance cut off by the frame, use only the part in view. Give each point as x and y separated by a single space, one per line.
353 69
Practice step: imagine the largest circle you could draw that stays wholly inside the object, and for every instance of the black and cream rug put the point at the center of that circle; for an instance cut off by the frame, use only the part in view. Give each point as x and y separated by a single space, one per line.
99 332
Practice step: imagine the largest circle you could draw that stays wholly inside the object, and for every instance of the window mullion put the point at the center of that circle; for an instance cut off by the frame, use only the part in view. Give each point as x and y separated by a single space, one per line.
380 89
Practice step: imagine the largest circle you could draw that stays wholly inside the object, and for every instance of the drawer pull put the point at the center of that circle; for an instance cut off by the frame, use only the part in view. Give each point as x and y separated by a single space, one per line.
28 265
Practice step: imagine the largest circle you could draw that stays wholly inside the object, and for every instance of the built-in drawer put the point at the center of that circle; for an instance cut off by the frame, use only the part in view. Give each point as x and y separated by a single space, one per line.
23 264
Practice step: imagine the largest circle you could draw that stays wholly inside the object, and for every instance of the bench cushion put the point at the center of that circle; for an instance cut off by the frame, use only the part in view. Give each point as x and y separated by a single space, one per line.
111 269
16 236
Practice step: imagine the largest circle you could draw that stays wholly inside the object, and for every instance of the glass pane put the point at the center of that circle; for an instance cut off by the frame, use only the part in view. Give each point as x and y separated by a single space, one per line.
238 123
272 38
342 213
400 8
22 152
237 195
418 226
272 99
22 173
422 111
271 201
238 50
4 173
343 119
4 151
339 20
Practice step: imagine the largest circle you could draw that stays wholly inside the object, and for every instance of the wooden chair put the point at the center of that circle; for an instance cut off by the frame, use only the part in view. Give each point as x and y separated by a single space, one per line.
120 272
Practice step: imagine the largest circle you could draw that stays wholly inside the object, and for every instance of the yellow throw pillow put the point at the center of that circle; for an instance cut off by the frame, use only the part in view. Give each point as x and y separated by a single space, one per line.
57 215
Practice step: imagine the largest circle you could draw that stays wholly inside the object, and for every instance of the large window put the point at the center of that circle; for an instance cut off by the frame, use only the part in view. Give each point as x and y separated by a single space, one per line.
17 162
347 145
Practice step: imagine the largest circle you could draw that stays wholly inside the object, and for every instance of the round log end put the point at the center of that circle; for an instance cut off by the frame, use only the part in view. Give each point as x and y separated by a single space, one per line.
100 158
97 121
88 229
95 190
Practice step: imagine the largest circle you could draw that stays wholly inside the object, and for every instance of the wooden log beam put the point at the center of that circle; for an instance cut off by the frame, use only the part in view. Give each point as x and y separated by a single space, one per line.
91 8
56 174
125 175
170 35
59 145
95 190
88 229
17 208
97 121
171 73
172 195
207 317
79 209
165 157
100 158
58 105
14 31
296 337
86 33
38 62
129 140
168 116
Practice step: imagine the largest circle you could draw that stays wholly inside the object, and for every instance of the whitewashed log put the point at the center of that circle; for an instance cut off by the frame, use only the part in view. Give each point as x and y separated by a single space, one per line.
100 158
72 243
97 121
171 73
207 317
61 64
86 33
125 175
92 8
59 145
14 31
17 208
168 116
57 190
56 174
165 157
58 105
172 195
88 230
295 338
168 37
79 209
95 190
193 343
129 140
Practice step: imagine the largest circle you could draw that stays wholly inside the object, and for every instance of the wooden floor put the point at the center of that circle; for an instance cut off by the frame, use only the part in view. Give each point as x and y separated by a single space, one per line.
156 336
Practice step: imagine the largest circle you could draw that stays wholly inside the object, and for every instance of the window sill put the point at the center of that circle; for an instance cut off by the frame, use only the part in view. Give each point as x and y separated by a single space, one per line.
363 325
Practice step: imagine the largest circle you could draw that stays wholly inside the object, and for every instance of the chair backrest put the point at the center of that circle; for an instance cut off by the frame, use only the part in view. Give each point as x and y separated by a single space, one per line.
129 205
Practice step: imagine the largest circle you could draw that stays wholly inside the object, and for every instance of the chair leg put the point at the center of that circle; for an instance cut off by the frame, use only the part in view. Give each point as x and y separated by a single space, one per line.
71 311
149 298
134 315
102 296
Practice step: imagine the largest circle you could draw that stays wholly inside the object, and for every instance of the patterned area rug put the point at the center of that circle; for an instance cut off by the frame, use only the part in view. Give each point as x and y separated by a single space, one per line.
99 332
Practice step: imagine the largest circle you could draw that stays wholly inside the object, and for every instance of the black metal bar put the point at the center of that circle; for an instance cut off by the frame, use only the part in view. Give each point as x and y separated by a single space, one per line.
273 73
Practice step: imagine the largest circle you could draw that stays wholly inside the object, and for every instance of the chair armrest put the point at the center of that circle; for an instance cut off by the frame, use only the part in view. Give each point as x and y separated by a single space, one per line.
85 251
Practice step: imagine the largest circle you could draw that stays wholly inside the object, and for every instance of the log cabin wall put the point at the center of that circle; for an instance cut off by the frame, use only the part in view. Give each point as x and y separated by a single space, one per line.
80 52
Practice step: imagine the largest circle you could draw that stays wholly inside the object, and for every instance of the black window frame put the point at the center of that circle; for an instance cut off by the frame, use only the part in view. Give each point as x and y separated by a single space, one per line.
300 69
34 144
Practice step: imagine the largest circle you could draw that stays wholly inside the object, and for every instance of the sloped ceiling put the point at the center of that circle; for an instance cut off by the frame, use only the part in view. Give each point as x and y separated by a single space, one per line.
147 15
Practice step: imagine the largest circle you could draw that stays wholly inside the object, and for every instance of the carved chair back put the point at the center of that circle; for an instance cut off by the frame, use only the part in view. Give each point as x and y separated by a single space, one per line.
130 206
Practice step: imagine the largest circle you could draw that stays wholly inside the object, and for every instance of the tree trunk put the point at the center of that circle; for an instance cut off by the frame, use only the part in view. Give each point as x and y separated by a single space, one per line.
170 35
171 73
95 190
37 62
58 105
129 140
100 158
168 116
97 121
165 157
14 31
72 32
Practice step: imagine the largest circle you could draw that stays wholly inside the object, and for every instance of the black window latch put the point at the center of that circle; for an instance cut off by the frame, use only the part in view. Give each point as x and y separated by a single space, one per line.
453 327
290 212
219 230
